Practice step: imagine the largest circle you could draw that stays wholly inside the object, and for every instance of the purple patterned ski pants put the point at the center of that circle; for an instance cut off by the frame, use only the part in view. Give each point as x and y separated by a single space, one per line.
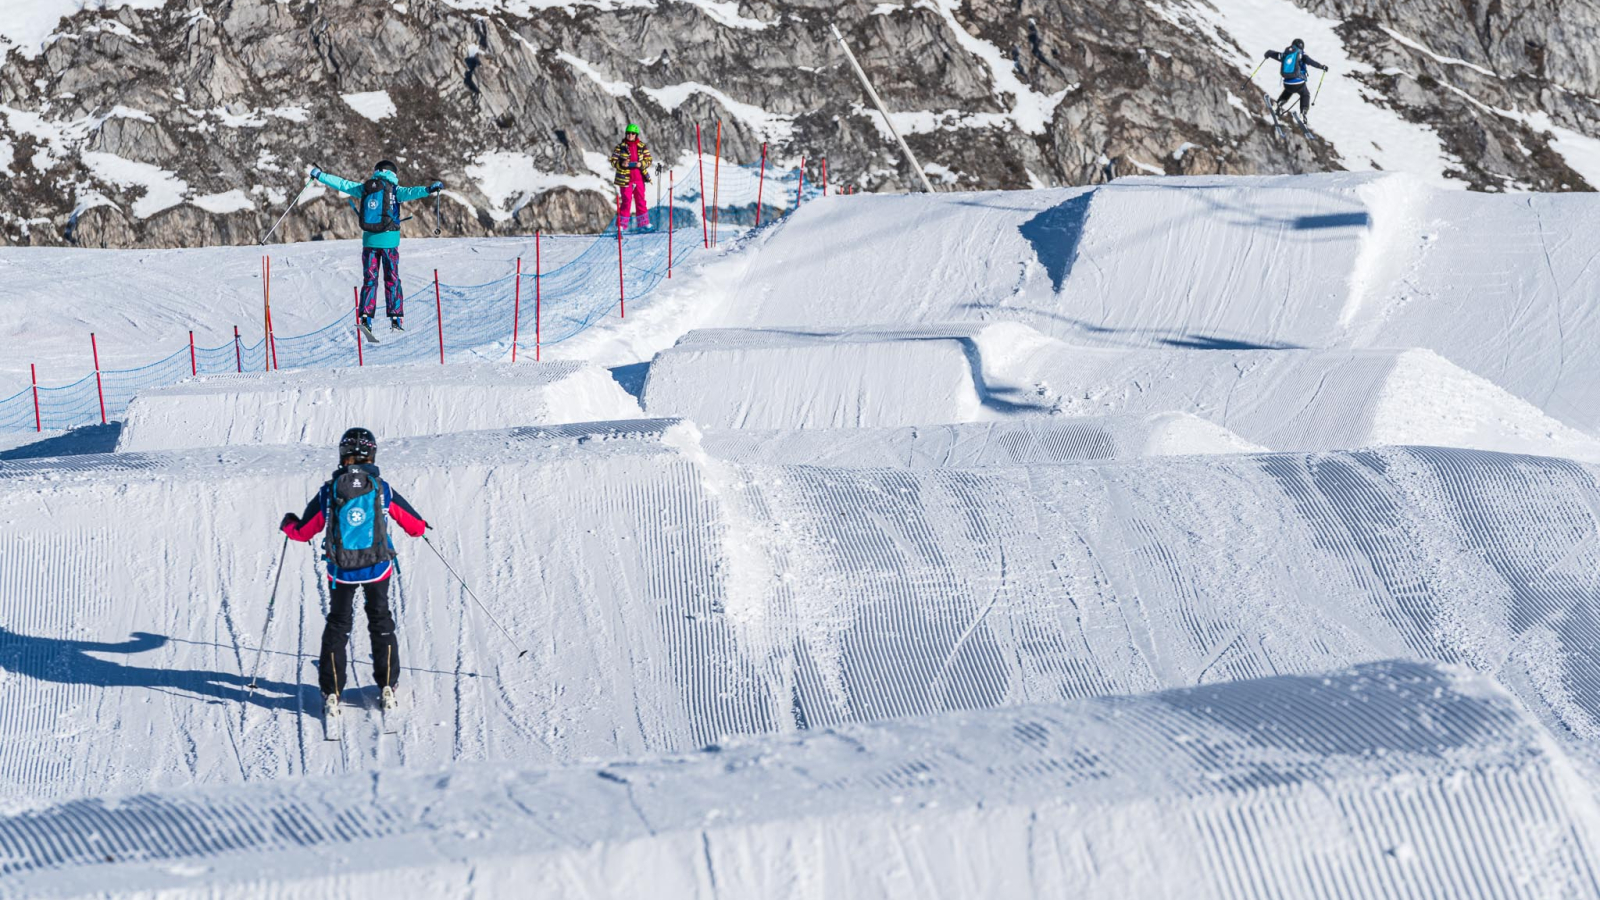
394 301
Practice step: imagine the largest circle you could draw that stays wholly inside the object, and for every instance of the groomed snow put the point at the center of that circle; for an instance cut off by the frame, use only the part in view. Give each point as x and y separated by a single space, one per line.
311 407
892 809
952 565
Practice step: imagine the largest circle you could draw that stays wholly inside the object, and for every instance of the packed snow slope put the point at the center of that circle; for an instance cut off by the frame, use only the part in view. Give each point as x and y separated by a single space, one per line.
1243 532
1499 285
1161 778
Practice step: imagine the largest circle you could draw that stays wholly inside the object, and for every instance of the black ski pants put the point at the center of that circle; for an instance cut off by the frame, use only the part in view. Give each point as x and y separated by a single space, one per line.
1289 90
334 664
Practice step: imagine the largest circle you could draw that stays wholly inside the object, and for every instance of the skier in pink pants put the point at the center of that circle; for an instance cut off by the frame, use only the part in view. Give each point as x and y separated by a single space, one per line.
631 159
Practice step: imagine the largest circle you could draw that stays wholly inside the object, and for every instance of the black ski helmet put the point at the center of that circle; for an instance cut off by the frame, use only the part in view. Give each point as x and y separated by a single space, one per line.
384 165
1299 44
360 444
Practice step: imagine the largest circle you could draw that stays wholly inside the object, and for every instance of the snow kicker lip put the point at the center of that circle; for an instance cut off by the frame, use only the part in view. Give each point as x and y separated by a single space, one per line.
1295 781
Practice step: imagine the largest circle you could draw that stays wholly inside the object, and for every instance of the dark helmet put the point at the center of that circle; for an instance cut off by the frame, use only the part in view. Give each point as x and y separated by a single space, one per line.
1298 44
360 444
384 165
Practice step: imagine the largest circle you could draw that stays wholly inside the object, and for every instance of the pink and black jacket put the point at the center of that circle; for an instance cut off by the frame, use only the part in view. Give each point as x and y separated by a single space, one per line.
314 520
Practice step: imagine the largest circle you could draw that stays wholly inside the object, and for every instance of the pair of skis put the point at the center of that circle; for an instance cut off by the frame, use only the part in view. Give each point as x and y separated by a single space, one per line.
1277 120
366 329
333 721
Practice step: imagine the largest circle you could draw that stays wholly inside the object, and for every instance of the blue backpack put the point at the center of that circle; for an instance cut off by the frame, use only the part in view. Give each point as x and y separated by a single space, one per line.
358 530
1291 62
379 210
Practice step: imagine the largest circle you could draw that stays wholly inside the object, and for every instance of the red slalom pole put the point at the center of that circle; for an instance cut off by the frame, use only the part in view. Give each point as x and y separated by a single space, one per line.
516 310
98 387
438 314
538 297
671 184
700 150
272 339
622 297
824 176
238 354
360 356
761 185
33 373
194 369
716 187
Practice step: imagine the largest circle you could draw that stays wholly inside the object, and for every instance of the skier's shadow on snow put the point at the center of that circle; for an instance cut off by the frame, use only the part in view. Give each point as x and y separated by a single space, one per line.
73 662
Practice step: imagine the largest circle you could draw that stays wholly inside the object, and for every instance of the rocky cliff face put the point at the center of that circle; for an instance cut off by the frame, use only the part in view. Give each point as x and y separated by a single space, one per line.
193 123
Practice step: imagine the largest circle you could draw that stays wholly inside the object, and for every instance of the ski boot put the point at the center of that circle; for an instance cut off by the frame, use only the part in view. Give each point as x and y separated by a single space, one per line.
390 701
330 706
394 324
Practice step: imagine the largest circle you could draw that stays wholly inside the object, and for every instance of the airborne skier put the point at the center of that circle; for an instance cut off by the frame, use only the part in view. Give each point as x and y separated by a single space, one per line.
354 507
1293 63
379 199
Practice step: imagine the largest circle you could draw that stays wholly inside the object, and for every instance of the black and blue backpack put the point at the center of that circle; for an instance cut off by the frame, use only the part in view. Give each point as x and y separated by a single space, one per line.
1291 62
358 529
380 209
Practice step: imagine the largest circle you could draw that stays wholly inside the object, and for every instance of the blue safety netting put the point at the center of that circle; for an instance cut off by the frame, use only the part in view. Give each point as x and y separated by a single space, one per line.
477 320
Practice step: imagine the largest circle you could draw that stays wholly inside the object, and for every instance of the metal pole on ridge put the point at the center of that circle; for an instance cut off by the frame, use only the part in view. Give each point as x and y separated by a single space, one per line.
516 310
194 368
538 298
671 186
98 387
700 151
861 74
800 192
33 373
438 314
761 184
360 356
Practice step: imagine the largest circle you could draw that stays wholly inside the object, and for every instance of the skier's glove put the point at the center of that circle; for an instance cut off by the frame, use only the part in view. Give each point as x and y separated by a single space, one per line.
436 187
290 520
633 165
316 172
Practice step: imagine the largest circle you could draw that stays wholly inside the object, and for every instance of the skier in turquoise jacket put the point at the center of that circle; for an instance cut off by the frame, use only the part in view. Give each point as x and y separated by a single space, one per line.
377 202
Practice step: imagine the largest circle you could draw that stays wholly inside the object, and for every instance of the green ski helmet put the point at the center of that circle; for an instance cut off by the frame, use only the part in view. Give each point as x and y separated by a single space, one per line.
632 129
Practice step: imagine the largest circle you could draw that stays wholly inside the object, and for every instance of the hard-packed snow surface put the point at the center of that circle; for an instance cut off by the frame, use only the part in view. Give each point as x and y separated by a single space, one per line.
315 407
1201 537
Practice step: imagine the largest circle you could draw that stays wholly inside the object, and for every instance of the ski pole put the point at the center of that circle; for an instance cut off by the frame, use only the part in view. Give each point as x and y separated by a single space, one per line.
1257 69
475 597
261 648
437 228
1319 86
286 212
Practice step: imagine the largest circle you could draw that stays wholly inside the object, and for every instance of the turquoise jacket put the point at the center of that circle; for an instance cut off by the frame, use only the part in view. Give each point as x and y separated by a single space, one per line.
387 240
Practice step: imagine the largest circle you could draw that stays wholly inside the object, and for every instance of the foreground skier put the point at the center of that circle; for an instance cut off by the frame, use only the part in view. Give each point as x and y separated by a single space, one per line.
355 506
1292 67
379 212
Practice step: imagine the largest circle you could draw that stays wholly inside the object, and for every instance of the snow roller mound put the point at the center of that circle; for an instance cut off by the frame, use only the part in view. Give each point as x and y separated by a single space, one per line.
1277 399
316 406
805 378
1390 780
669 598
